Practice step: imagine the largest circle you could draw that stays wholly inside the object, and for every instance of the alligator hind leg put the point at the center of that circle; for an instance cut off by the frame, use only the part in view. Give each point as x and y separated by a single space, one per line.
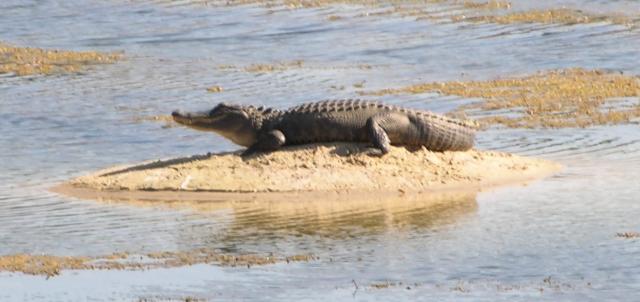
387 127
377 135
269 141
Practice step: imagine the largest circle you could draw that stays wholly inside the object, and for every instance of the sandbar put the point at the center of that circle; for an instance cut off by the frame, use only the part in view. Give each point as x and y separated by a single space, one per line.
314 171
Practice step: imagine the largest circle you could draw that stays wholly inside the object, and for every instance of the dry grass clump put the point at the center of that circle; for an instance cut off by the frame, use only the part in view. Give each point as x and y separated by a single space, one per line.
628 235
296 4
280 66
52 265
23 61
175 259
40 264
167 120
547 16
215 89
389 284
259 68
264 68
573 97
491 11
491 4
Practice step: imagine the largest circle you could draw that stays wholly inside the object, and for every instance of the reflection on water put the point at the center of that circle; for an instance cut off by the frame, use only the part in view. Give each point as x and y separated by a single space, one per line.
253 225
53 128
349 217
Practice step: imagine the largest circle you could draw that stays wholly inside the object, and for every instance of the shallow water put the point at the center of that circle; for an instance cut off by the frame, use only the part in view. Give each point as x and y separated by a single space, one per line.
499 245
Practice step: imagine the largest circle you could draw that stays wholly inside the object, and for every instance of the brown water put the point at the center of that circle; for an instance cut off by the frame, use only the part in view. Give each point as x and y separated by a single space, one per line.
498 245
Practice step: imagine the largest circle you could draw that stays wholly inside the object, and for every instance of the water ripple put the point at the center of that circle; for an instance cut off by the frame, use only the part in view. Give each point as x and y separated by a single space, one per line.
53 128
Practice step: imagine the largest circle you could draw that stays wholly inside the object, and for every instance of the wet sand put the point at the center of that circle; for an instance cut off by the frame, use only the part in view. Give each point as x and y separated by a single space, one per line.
315 170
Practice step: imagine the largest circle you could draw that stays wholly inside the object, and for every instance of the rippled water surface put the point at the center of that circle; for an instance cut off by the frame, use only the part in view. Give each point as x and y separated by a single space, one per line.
554 239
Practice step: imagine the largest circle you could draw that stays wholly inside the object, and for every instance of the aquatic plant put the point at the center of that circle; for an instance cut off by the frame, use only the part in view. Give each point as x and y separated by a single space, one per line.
24 61
573 97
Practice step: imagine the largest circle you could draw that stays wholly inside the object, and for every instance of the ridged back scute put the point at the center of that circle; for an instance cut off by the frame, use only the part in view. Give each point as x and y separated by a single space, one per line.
335 106
358 104
439 133
259 115
442 135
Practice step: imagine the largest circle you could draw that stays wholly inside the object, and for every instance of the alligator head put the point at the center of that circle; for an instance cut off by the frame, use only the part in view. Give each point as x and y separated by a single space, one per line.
231 121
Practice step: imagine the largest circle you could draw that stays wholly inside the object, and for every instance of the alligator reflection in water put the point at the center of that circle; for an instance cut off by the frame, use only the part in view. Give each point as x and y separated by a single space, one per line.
260 223
342 219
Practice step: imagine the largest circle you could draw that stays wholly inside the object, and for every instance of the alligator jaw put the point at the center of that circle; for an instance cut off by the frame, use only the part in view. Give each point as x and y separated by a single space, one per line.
235 125
197 120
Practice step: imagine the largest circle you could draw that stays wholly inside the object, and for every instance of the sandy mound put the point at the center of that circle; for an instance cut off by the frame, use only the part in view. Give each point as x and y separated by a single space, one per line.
328 167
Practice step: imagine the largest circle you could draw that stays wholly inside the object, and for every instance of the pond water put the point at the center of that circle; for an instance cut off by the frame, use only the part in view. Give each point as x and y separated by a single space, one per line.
553 239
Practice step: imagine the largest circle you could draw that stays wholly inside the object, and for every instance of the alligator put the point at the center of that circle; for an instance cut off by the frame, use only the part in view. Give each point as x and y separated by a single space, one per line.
263 129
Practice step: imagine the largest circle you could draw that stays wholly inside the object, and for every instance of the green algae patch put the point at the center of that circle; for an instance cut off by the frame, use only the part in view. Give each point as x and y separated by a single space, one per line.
23 61
573 97
50 265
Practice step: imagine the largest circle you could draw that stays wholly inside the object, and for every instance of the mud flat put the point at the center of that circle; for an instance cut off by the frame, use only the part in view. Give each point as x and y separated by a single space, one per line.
310 171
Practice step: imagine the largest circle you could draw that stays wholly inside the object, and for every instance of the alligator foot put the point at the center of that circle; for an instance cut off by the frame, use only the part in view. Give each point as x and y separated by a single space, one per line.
269 141
374 152
377 134
249 153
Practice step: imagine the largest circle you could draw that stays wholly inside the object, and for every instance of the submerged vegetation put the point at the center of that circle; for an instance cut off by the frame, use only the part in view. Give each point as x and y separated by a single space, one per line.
281 66
555 16
628 235
491 11
52 265
262 68
502 13
24 61
559 98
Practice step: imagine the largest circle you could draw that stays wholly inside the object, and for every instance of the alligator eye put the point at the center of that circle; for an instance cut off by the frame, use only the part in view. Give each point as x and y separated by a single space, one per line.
216 111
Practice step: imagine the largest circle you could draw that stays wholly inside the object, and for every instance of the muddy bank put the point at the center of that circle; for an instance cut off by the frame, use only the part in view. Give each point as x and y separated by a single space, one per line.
328 168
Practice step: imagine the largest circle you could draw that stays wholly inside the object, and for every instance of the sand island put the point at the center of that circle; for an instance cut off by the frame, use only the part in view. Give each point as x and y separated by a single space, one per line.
333 167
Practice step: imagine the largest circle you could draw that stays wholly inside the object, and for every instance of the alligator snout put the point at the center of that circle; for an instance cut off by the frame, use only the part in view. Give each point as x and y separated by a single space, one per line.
190 118
181 117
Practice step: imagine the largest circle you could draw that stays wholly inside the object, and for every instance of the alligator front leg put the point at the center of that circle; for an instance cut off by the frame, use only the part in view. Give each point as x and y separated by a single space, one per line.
269 141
